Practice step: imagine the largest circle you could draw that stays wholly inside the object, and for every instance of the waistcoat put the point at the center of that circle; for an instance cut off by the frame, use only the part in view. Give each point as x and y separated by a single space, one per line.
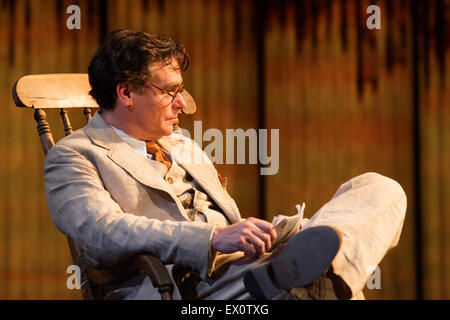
198 205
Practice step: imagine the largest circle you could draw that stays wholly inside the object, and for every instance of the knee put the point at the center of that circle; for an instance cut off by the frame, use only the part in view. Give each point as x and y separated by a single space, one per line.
371 177
388 185
376 178
386 188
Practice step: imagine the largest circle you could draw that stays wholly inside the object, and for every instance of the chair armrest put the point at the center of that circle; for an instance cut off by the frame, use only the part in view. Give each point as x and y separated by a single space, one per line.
155 269
146 264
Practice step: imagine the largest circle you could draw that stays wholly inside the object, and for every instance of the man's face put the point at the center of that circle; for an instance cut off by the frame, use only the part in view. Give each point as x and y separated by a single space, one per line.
154 113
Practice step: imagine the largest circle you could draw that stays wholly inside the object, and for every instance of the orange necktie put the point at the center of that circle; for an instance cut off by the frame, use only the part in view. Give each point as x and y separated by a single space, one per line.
156 151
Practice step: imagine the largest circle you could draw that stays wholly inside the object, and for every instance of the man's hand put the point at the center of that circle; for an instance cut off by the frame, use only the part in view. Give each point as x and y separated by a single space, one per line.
252 236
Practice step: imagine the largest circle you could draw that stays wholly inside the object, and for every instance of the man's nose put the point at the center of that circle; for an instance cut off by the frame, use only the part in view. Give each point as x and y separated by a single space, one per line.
179 102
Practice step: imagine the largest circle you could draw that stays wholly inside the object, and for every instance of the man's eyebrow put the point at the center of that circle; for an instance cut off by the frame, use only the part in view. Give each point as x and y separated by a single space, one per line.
173 85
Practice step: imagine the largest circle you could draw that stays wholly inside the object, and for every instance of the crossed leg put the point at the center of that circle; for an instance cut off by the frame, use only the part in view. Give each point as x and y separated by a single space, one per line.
368 210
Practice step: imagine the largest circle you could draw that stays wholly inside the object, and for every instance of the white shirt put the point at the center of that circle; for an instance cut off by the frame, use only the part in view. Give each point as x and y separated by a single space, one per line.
138 145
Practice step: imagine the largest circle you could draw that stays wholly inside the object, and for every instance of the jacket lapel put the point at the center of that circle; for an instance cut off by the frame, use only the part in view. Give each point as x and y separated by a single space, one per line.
123 155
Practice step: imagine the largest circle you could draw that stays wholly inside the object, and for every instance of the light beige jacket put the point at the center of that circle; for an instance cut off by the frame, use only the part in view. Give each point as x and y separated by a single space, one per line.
113 203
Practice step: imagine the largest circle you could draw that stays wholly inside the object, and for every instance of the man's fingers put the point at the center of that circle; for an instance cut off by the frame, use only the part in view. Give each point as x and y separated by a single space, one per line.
252 236
258 244
265 226
263 239
248 248
259 240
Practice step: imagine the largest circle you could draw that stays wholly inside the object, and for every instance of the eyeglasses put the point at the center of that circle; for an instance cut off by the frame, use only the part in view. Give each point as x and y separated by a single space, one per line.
189 101
172 93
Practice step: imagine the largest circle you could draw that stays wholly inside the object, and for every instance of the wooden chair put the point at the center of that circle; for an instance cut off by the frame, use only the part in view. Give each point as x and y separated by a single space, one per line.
69 91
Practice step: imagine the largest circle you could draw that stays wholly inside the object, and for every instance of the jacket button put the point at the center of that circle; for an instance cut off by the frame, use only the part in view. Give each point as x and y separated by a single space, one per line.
170 180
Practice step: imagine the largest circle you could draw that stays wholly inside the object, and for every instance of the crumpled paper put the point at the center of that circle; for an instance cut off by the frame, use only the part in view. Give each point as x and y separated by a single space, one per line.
287 226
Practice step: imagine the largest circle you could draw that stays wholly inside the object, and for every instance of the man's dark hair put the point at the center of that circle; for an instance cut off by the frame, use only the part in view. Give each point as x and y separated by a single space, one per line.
124 57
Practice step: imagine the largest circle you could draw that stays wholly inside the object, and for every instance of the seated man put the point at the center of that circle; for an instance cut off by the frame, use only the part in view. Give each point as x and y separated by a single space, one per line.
126 184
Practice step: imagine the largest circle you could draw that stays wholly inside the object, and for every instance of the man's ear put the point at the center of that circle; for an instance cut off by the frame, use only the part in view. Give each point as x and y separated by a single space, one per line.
124 94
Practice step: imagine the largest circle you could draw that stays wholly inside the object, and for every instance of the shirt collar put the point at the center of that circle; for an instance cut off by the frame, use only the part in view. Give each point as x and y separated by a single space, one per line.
136 144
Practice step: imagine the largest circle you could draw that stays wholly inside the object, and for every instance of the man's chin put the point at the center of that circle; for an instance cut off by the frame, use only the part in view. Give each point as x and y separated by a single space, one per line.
169 131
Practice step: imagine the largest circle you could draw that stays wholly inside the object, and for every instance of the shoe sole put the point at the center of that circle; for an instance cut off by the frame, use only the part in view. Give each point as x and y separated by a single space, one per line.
302 260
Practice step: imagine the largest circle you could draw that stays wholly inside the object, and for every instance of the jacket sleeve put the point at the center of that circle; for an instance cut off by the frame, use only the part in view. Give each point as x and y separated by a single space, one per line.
82 208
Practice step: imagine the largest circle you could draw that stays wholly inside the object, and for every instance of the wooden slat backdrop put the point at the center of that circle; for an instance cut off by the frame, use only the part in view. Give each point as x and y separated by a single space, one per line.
344 98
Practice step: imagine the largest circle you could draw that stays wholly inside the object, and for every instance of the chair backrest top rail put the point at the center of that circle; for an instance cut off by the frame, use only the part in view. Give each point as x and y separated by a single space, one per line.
47 91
